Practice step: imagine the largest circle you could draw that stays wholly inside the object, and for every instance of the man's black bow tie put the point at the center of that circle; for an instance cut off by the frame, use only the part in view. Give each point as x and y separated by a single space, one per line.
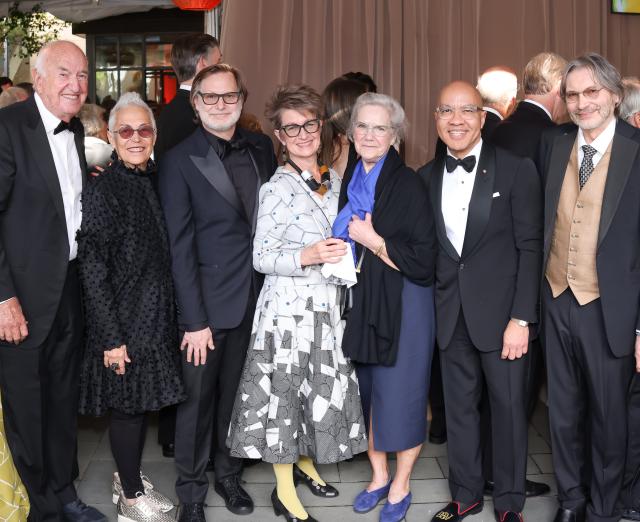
466 163
225 147
73 125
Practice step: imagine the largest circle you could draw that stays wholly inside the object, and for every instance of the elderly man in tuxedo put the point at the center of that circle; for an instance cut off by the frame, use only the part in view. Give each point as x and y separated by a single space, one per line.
42 172
591 288
487 207
209 186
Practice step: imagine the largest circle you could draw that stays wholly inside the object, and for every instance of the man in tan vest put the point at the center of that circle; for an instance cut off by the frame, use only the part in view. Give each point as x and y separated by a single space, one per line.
591 288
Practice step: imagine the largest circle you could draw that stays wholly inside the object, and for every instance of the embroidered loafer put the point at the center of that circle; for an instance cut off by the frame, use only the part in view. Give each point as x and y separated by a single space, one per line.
326 491
454 512
365 501
395 512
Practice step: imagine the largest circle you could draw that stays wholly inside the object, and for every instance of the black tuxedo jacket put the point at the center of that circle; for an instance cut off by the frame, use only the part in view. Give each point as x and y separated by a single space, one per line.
176 122
209 233
520 133
497 275
34 246
618 251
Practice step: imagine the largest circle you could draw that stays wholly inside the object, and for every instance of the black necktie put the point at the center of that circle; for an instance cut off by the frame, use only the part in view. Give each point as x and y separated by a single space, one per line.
466 163
73 126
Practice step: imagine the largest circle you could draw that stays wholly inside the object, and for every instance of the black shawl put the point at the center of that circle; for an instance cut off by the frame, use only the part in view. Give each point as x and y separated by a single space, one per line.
403 217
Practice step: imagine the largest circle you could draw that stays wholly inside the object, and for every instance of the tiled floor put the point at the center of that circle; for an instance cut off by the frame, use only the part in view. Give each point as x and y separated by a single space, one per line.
429 485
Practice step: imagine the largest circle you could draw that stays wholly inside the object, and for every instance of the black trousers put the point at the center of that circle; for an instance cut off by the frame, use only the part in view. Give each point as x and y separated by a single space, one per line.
206 414
587 406
465 370
438 427
40 401
631 485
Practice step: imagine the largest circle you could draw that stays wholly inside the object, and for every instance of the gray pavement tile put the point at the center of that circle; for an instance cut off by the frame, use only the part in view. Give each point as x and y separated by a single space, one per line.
544 462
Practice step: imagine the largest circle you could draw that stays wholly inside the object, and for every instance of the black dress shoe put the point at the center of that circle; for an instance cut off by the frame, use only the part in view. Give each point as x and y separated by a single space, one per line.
453 512
532 489
78 511
169 450
192 513
210 465
508 516
318 490
566 515
631 514
437 439
235 497
280 509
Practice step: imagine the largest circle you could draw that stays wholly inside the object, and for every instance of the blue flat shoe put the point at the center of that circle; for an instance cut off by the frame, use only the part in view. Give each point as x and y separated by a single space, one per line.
365 501
395 512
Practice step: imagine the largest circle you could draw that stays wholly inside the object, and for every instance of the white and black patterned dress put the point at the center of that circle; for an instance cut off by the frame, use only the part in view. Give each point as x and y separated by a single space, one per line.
298 395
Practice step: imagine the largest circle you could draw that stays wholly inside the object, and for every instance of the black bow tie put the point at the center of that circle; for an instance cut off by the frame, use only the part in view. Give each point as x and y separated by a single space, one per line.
224 148
466 163
73 125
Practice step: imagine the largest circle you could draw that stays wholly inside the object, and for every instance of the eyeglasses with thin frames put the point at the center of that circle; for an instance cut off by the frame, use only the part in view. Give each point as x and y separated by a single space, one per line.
211 98
468 112
379 131
589 94
293 129
144 131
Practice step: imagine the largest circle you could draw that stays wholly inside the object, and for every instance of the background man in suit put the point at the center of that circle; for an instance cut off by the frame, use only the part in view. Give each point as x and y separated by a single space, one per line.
209 187
591 288
488 213
189 55
42 171
630 112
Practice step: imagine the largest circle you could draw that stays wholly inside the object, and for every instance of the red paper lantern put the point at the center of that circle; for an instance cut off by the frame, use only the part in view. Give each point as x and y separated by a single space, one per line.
196 5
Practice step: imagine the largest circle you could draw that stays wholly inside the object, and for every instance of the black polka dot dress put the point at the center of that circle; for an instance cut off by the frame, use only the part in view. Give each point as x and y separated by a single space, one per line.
125 270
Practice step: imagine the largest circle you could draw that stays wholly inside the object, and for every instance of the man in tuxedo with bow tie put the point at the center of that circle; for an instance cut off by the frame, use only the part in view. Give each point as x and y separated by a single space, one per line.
590 288
488 211
42 172
209 186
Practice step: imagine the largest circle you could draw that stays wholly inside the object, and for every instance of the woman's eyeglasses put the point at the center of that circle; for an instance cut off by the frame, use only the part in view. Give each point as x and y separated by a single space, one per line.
211 98
292 130
144 131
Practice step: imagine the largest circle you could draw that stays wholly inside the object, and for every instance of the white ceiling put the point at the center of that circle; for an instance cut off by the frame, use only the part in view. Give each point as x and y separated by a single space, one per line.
82 10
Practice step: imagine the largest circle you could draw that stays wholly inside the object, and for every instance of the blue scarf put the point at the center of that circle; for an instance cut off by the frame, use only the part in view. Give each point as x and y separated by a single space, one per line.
361 197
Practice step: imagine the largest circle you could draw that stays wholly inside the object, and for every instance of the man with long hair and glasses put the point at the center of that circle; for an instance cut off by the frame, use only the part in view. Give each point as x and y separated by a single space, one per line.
209 187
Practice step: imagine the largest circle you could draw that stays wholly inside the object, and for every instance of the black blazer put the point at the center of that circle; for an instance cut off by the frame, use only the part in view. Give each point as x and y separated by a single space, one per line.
520 133
497 275
34 246
210 236
618 255
176 122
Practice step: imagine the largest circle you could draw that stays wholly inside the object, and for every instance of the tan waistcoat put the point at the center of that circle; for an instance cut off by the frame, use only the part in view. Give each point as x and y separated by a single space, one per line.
572 260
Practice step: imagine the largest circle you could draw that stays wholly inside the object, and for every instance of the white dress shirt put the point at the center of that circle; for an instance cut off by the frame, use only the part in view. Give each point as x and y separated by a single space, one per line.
493 111
457 187
601 143
67 163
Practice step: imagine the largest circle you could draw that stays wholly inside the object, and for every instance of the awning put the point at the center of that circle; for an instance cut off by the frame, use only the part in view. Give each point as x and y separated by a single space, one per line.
83 10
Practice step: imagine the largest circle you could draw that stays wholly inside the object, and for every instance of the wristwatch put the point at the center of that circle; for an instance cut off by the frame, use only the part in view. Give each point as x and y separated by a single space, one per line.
520 322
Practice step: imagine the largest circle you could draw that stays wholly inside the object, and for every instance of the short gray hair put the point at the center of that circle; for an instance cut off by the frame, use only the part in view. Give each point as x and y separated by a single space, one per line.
130 99
543 73
12 95
92 118
603 72
497 86
395 110
631 101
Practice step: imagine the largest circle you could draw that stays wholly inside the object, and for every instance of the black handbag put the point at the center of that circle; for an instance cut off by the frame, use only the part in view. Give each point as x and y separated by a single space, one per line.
345 301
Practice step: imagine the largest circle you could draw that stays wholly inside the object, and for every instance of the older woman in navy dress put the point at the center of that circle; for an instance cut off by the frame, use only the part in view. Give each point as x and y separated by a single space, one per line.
390 328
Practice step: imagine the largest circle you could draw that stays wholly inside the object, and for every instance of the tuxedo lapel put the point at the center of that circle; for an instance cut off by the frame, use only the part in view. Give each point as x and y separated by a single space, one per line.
481 199
79 141
259 181
623 153
560 155
436 201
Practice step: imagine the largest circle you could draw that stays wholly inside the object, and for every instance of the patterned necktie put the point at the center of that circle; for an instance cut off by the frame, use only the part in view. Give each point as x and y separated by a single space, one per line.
586 167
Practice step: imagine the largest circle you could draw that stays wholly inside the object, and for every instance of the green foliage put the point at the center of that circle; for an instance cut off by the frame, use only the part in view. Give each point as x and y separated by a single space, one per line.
28 31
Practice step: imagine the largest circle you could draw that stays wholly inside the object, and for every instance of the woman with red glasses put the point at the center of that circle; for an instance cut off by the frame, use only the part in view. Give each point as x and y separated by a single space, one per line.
131 363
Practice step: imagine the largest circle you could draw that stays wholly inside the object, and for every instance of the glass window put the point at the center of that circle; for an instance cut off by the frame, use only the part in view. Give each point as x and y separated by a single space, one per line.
106 51
131 51
106 85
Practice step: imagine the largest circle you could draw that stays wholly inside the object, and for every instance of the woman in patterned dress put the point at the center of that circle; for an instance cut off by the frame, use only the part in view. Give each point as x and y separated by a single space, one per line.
298 401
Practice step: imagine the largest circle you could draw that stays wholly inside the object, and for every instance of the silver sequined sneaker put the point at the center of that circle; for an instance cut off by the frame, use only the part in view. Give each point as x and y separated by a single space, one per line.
160 502
142 511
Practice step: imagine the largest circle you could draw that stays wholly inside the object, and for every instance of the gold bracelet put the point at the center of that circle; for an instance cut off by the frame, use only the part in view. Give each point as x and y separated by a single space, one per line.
379 250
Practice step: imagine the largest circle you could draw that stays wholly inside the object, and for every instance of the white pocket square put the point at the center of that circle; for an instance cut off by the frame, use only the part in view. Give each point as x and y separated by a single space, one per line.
496 194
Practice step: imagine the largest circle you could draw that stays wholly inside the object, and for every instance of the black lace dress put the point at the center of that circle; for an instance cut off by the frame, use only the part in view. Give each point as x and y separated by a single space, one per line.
125 270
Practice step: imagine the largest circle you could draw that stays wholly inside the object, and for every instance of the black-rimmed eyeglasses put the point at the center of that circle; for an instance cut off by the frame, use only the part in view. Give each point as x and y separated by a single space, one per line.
293 129
211 98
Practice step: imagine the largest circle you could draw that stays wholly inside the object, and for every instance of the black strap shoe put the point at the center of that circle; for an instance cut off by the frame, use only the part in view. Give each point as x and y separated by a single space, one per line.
454 512
235 497
78 511
318 490
192 513
532 489
508 516
280 509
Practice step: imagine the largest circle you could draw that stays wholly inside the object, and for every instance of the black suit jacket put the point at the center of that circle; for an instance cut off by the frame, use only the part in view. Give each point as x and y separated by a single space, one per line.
209 233
618 251
34 246
520 133
176 122
497 275
490 124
